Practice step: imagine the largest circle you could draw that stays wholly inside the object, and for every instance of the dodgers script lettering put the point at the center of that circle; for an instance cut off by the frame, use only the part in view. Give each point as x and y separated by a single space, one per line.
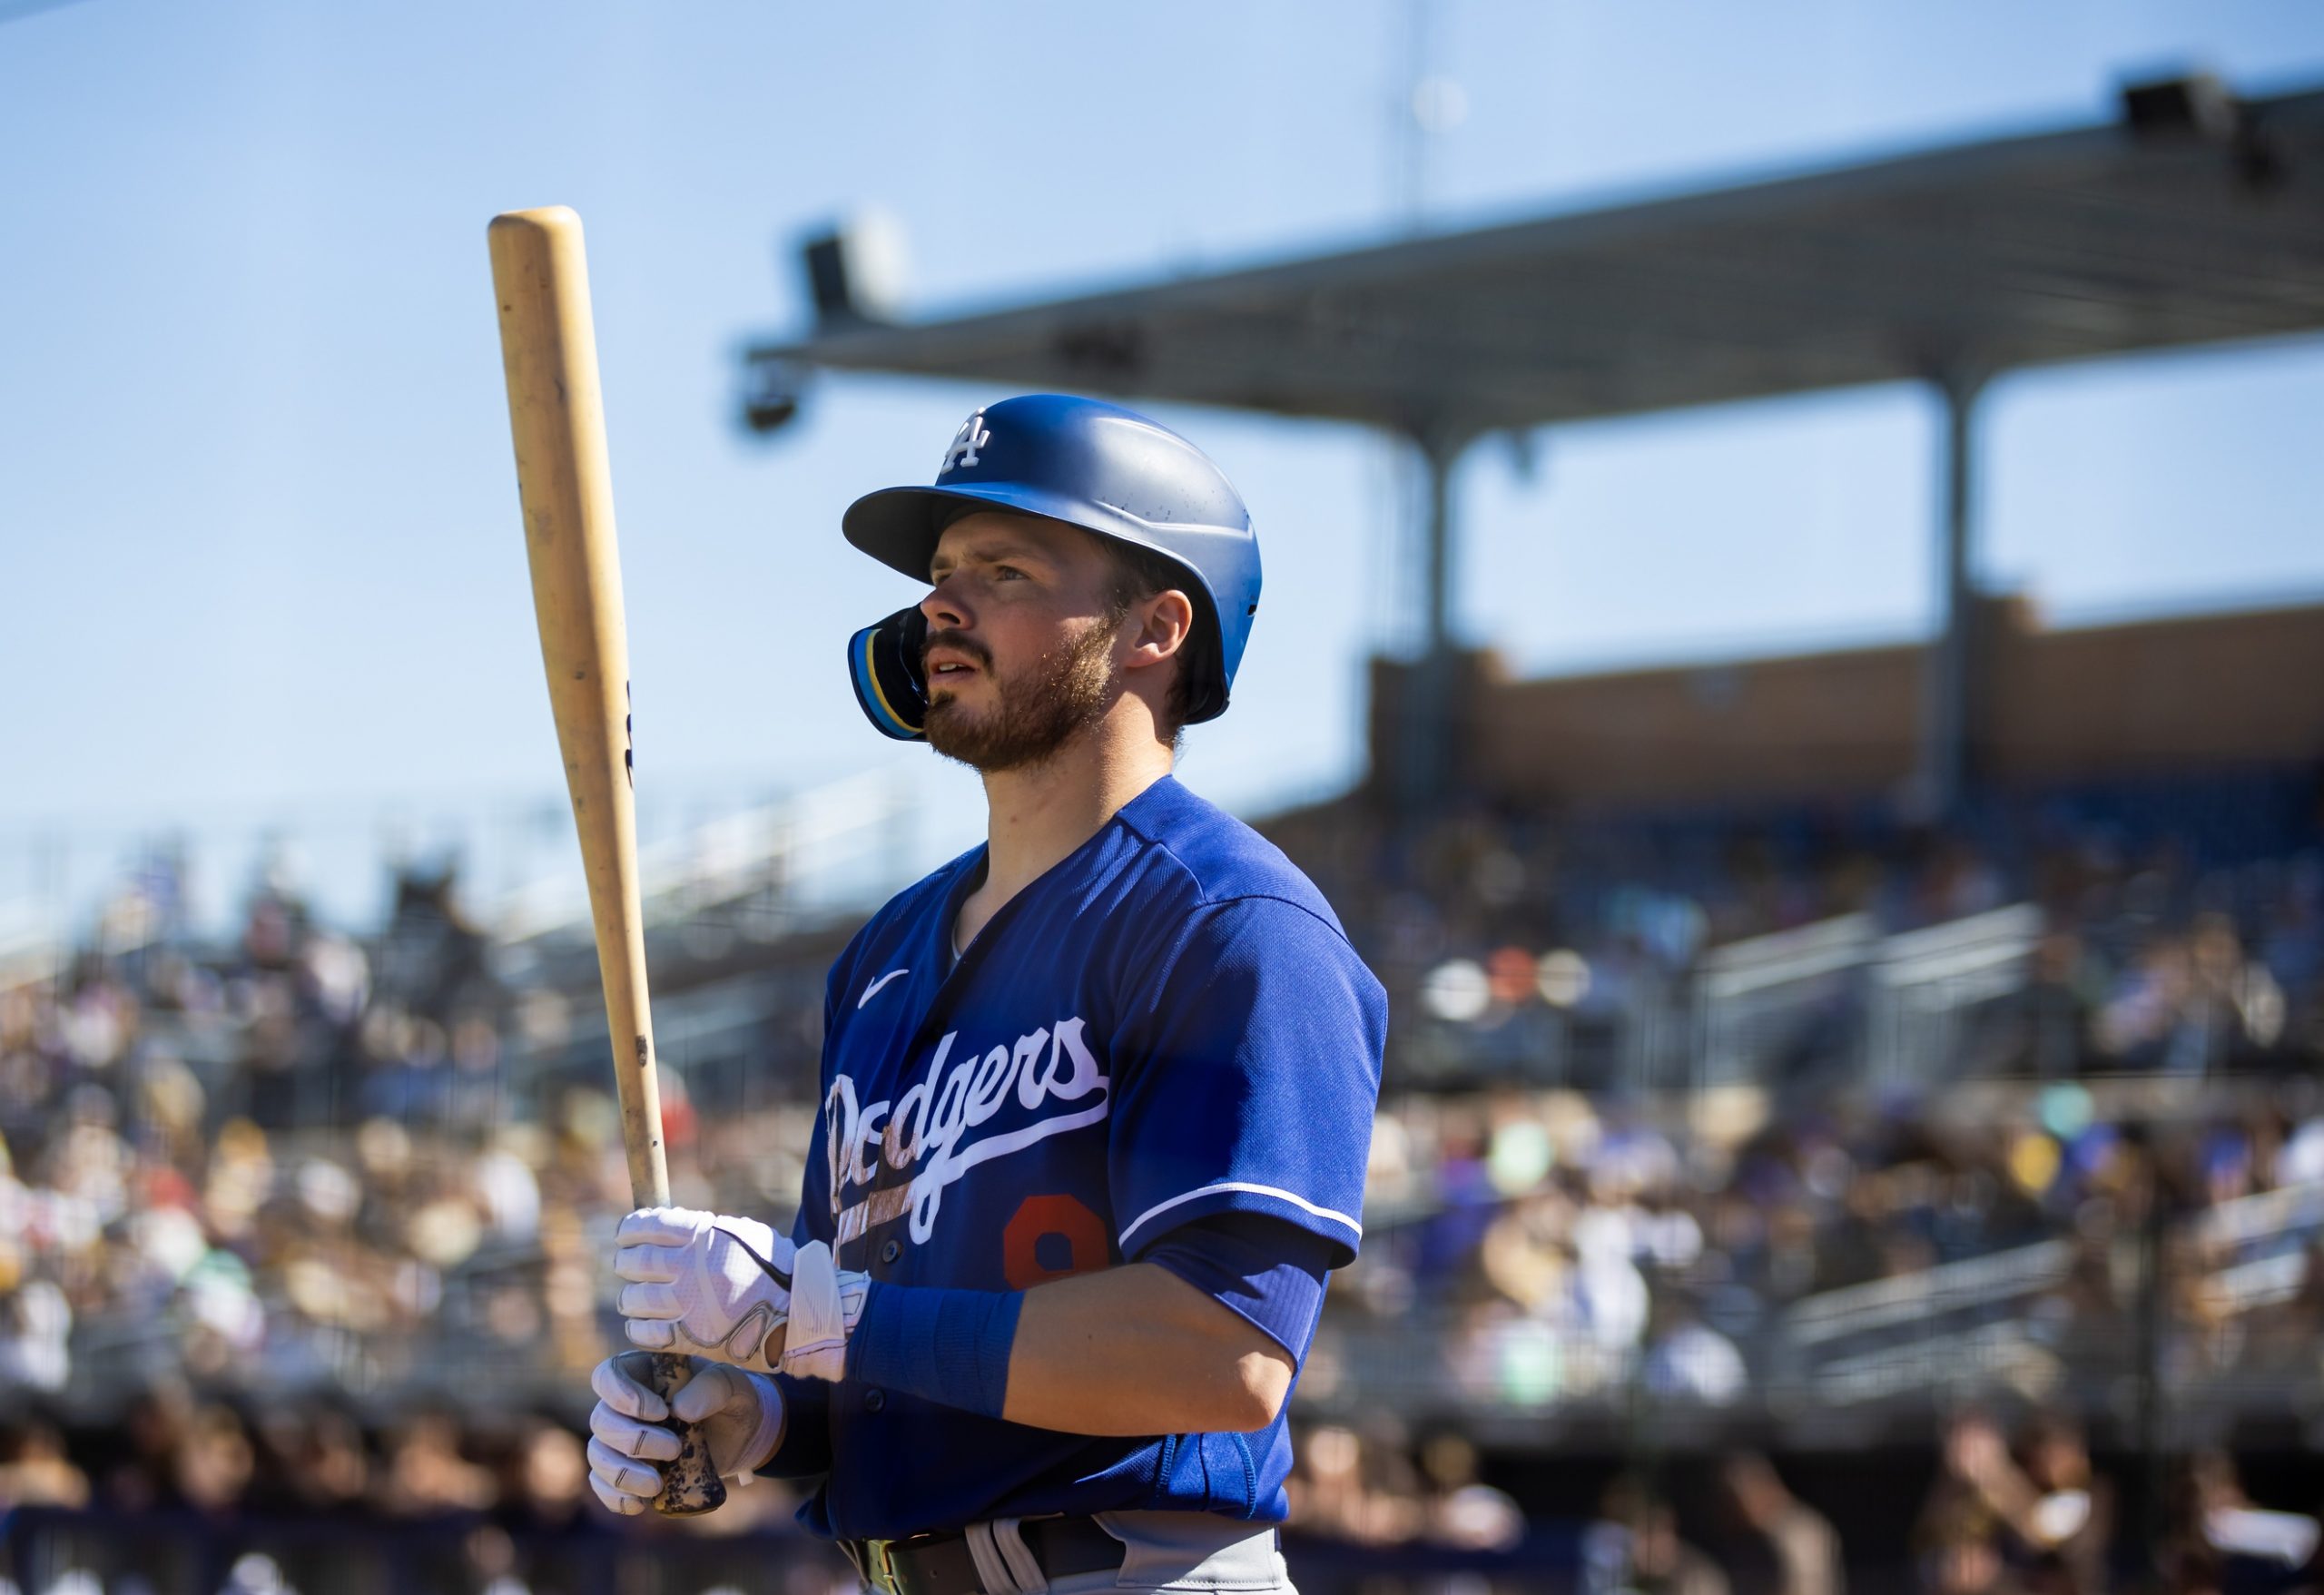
926 1130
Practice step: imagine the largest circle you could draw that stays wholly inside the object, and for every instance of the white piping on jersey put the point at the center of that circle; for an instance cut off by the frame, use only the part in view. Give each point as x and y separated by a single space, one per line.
873 989
1244 1186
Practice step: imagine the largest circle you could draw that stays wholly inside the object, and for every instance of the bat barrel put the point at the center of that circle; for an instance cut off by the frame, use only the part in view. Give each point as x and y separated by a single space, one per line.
556 418
563 475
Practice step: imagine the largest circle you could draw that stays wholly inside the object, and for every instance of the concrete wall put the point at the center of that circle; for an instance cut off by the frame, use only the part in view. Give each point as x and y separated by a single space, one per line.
2176 693
2211 690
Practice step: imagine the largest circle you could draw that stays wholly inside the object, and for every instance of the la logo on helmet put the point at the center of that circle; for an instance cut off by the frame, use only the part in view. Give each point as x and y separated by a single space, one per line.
971 437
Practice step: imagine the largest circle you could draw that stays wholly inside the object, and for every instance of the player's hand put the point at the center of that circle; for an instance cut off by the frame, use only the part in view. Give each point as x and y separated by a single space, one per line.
702 1282
739 1417
715 1286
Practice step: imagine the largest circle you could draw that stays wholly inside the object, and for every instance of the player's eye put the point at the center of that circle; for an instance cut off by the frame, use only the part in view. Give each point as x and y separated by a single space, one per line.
1007 573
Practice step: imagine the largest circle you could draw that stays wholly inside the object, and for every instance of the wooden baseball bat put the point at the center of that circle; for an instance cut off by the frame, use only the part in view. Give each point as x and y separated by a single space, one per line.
557 415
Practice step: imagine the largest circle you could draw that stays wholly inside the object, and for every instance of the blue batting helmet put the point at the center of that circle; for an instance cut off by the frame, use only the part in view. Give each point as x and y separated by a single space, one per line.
1096 466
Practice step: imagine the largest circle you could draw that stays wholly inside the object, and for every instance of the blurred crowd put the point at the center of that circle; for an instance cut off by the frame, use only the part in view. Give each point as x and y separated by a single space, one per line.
178 1452
304 1157
1572 1249
2183 929
160 1211
1999 1510
271 1211
301 1164
504 1498
318 1501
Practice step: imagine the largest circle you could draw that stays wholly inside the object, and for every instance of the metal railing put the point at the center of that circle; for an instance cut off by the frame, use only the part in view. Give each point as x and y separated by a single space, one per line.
1754 999
1925 985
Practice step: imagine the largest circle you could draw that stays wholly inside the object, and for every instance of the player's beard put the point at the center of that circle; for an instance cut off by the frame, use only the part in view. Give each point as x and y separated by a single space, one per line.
1040 710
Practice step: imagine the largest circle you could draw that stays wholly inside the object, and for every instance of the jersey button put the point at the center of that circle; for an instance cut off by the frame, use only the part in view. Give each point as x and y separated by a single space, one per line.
891 1251
874 1400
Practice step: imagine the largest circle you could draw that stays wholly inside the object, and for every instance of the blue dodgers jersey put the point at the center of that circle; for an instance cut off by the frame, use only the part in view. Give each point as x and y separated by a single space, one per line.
1169 1024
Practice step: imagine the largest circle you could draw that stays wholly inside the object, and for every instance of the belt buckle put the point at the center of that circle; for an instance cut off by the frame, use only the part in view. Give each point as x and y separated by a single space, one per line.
880 1567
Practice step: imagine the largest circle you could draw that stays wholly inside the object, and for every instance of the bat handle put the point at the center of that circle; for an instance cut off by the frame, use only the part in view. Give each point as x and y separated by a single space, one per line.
690 1485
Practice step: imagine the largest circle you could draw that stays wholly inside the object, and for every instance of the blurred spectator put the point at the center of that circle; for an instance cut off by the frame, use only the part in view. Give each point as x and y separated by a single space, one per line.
547 1482
425 1474
36 1336
210 1468
35 1470
1959 1553
1461 1511
2222 1537
1690 1360
2066 1518
1962 1522
313 1460
2051 1522
1345 1487
1807 1549
1634 1549
140 1481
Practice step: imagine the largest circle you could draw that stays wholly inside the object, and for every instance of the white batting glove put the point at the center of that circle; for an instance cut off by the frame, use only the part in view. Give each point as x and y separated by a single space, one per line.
739 1417
702 1284
716 1286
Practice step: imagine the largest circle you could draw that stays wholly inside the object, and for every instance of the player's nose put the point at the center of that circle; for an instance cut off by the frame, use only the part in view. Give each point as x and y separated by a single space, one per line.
946 606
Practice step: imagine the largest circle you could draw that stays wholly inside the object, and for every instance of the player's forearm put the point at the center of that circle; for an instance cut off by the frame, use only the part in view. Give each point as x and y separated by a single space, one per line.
1138 1351
1125 1351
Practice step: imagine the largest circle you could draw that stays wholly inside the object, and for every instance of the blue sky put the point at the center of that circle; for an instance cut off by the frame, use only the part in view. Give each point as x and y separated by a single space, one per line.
259 553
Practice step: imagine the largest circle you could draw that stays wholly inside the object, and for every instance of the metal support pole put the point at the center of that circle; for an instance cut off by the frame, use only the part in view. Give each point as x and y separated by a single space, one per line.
1437 551
1948 691
1427 738
2150 1492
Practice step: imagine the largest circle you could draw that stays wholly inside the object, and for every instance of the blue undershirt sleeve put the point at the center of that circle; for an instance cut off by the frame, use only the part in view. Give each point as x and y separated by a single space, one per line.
806 1448
943 1345
952 1346
1268 1271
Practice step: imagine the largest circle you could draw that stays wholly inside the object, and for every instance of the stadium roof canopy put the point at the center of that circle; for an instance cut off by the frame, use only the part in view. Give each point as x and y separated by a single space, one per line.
2195 218
2192 221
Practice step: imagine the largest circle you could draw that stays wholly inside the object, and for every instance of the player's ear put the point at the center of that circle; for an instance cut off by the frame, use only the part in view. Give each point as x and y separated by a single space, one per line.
1159 627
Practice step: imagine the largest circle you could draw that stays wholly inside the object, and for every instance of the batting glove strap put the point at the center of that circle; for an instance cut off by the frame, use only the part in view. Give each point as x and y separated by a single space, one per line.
702 1284
826 1305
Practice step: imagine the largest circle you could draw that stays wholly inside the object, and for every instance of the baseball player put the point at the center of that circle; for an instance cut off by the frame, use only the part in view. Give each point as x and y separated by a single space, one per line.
1096 1095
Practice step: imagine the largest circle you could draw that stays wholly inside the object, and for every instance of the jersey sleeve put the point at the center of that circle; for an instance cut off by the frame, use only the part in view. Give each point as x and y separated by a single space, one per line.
1263 1270
1246 1076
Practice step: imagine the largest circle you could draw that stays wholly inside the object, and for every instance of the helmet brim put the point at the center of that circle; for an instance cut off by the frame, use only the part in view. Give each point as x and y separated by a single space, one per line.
899 526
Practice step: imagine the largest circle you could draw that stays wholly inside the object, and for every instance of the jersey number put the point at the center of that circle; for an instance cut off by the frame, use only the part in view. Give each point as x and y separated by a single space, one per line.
1050 1237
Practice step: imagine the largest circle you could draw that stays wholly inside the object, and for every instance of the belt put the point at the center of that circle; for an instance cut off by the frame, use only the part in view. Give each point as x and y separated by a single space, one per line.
943 1563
